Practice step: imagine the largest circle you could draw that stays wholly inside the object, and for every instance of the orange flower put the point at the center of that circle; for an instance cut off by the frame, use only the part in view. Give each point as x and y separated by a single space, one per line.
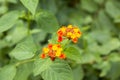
62 56
50 46
75 40
71 32
42 55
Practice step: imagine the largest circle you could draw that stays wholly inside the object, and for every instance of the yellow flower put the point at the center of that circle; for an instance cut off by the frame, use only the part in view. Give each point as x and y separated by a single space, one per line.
69 34
73 36
58 53
54 47
70 26
45 50
78 35
76 30
59 49
63 29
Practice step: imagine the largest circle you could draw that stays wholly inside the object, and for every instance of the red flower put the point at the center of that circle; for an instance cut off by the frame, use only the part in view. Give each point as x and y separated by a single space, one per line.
60 33
60 38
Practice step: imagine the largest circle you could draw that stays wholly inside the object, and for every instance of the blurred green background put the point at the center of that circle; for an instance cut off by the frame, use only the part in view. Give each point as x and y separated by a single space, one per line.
99 21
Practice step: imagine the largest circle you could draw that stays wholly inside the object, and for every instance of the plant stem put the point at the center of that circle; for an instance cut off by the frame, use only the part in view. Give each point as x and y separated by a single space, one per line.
25 61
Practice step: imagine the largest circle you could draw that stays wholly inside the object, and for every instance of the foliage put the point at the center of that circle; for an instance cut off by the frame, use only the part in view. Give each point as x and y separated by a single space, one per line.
28 25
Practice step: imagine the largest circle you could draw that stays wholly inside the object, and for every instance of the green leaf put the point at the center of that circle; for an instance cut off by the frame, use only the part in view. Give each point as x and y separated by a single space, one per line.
53 39
26 70
53 70
73 53
90 58
78 73
12 1
40 36
3 9
59 70
24 50
114 72
3 44
111 45
50 5
89 5
8 72
112 9
46 21
104 67
41 65
105 22
99 1
8 20
114 57
18 30
31 5
96 35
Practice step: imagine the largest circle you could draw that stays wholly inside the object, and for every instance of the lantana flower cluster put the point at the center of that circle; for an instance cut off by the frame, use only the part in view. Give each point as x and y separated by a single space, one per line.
70 32
55 50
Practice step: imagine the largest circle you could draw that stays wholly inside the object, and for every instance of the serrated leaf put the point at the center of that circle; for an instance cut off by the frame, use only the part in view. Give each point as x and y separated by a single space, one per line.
31 5
59 70
41 65
46 21
73 53
8 72
24 50
8 20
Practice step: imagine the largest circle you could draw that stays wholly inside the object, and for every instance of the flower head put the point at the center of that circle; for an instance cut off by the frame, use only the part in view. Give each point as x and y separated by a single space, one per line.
70 32
53 51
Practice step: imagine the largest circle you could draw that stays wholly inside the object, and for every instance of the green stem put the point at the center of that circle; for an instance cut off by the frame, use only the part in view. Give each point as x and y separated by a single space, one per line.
28 27
25 61
29 21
